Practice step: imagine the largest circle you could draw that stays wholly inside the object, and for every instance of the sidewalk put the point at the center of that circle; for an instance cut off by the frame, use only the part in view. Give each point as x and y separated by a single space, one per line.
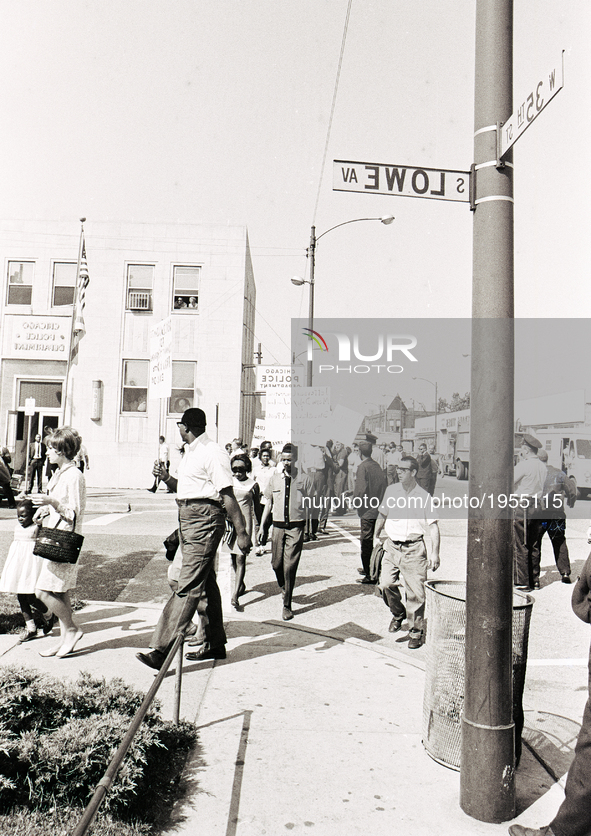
308 727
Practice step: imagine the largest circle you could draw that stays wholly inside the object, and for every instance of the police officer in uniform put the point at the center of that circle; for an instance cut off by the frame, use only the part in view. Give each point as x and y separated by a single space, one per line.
528 481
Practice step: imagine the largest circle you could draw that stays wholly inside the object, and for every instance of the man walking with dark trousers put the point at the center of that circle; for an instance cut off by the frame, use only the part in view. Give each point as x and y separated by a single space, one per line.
204 497
370 484
284 501
37 454
528 484
557 488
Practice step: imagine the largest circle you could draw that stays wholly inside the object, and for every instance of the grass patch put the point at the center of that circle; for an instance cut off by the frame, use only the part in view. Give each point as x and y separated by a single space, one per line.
11 617
61 822
56 741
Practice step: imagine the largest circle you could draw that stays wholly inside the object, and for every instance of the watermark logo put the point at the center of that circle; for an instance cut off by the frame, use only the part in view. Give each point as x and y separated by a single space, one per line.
314 337
382 348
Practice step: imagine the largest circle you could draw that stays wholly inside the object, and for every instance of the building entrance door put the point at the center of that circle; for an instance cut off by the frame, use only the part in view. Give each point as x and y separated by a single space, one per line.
24 430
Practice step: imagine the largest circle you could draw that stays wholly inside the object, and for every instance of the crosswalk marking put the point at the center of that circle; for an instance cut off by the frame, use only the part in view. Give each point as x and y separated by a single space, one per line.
106 519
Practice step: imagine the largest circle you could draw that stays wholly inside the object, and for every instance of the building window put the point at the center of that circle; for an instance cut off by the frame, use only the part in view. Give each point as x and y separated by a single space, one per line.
182 395
20 282
134 397
186 288
47 394
140 281
64 283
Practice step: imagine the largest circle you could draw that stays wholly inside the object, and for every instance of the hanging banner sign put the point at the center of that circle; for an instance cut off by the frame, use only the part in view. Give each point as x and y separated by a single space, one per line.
403 180
161 359
277 378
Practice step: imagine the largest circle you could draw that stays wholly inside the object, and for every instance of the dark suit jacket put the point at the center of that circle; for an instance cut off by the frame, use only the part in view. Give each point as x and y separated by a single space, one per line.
32 451
370 483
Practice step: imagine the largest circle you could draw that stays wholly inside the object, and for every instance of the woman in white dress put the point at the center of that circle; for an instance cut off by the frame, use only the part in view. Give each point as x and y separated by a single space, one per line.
245 490
62 507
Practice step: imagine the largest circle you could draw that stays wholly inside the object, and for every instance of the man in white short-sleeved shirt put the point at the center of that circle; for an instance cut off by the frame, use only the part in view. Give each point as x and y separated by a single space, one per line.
204 497
404 516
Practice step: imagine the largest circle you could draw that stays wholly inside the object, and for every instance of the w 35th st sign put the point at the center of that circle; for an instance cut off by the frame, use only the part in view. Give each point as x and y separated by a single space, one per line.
531 105
379 178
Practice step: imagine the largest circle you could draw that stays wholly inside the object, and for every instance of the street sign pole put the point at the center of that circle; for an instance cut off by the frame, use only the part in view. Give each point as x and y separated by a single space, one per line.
487 788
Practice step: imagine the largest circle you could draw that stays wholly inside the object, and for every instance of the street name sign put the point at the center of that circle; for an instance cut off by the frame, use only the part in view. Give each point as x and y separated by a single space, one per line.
403 180
540 95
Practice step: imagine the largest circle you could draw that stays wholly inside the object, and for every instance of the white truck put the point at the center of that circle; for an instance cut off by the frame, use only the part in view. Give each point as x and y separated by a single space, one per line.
569 450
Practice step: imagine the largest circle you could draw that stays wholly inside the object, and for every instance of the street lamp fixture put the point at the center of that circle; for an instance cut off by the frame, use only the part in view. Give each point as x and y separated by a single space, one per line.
311 253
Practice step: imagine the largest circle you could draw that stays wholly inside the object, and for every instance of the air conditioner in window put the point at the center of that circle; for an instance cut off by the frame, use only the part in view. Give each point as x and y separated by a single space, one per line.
139 300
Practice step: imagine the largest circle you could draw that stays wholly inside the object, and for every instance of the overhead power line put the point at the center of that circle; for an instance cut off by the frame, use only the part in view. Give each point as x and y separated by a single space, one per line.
332 109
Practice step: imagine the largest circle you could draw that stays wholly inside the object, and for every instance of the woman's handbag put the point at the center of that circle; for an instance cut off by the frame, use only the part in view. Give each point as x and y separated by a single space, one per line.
58 545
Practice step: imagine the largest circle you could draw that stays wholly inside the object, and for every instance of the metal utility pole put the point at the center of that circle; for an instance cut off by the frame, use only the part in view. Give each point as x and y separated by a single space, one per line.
487 788
312 257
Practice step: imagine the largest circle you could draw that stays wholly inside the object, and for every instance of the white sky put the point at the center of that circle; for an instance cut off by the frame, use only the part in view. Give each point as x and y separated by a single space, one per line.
217 111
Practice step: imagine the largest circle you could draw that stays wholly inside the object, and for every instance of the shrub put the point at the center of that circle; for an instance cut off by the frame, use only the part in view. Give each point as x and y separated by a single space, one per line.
65 734
32 701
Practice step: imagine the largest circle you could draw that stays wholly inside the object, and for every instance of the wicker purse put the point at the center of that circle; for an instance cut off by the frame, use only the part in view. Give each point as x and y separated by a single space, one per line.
58 545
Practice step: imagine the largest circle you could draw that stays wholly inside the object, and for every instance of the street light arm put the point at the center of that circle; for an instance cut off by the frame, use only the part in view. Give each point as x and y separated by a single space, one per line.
311 253
426 380
386 220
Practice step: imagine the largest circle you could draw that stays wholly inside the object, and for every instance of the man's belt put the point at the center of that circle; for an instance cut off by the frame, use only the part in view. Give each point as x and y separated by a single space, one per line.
198 500
406 542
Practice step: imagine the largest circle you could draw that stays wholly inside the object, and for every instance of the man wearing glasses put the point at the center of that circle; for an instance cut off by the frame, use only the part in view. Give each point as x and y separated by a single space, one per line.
404 514
204 497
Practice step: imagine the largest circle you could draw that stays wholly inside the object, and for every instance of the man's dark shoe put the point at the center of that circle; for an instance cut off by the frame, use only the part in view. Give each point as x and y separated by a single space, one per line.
566 579
520 830
287 614
154 659
207 653
415 639
366 580
395 625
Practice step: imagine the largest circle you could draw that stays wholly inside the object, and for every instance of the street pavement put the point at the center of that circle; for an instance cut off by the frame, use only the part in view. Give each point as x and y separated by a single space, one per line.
315 725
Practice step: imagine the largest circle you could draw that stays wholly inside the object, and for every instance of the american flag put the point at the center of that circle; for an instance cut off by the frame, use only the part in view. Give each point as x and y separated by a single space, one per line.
79 329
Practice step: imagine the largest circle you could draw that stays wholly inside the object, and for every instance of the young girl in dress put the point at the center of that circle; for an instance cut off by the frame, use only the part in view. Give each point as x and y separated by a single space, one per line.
21 571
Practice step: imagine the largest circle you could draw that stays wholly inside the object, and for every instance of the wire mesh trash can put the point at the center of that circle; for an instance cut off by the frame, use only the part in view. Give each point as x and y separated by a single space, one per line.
443 701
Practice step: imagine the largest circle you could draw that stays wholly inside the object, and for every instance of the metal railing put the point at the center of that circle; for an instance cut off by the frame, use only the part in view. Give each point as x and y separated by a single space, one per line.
106 782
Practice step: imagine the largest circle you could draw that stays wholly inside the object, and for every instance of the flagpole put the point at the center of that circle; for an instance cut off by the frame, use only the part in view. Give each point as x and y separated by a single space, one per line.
74 311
